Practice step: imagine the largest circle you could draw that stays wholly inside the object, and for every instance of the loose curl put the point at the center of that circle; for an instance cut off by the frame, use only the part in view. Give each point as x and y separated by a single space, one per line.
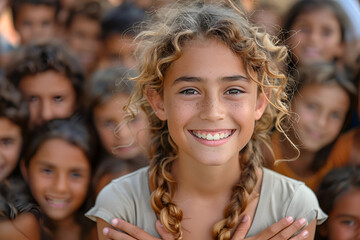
160 44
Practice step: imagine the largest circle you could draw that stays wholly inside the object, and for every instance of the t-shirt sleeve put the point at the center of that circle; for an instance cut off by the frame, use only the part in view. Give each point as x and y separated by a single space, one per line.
113 201
305 204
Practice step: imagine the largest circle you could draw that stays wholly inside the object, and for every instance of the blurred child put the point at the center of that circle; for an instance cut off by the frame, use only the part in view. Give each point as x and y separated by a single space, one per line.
347 148
106 95
315 31
111 167
35 19
118 33
19 216
84 33
339 197
50 79
321 106
56 164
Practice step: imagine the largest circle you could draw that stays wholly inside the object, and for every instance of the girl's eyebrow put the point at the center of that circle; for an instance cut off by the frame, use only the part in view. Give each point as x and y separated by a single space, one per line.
199 79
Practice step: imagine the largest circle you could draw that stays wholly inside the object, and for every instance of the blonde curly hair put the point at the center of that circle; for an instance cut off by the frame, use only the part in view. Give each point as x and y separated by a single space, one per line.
159 45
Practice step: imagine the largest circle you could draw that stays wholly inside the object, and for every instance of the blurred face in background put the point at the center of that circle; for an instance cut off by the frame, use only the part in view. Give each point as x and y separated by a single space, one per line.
35 22
50 95
124 140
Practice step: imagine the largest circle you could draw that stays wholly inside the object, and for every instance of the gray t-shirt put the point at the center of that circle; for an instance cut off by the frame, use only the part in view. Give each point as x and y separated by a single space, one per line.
128 198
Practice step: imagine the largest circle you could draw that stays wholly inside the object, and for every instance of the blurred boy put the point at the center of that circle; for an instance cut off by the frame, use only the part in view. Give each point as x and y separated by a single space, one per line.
118 33
35 19
84 34
50 78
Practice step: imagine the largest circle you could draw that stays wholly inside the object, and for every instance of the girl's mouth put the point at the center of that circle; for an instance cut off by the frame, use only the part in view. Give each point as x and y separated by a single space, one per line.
212 135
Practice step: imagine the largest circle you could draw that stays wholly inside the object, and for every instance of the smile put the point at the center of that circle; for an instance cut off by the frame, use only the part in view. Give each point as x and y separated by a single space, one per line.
212 136
57 203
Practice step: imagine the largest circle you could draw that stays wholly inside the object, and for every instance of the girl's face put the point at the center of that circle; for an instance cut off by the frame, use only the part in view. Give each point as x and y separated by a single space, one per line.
50 95
321 111
209 103
10 146
58 176
316 37
125 142
344 220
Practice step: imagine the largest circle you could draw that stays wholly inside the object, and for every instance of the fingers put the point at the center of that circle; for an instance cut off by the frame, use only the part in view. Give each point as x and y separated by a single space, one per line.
129 231
242 229
164 234
284 229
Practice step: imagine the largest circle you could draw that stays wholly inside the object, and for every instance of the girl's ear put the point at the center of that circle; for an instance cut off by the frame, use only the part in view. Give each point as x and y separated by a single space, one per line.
261 103
23 170
157 103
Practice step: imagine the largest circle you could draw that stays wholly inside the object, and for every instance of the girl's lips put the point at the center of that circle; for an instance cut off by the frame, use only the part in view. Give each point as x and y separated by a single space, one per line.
57 203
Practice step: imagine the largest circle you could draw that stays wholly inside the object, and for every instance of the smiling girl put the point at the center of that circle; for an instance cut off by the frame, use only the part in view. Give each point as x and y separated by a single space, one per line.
57 165
212 91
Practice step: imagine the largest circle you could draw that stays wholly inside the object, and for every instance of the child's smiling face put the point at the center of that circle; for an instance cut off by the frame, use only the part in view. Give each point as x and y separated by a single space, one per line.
316 37
58 176
321 111
10 146
209 102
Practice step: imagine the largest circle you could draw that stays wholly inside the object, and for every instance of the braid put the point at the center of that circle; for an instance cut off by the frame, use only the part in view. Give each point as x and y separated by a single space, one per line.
238 201
163 184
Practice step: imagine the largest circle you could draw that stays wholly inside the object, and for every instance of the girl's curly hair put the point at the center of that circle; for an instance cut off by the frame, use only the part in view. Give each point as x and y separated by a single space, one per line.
159 45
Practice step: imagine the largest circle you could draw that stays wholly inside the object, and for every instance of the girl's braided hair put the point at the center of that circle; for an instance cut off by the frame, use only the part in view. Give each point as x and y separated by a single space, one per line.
159 45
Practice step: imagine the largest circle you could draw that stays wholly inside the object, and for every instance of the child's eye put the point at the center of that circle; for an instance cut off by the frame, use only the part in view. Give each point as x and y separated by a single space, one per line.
348 222
46 23
233 91
189 91
326 32
46 171
58 99
75 175
7 141
335 115
110 124
32 99
311 106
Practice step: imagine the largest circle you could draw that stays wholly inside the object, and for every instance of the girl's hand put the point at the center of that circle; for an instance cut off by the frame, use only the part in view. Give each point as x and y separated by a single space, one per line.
134 232
281 230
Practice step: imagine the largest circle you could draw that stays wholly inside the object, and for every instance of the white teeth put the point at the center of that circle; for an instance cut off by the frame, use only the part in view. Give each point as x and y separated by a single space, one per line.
210 137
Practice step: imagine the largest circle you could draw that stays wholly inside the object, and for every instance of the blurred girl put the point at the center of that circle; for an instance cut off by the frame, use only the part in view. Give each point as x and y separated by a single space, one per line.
57 167
321 108
315 31
106 95
339 197
19 215
207 76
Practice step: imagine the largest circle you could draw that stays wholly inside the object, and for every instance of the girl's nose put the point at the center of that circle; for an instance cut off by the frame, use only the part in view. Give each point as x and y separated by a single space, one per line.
61 183
212 108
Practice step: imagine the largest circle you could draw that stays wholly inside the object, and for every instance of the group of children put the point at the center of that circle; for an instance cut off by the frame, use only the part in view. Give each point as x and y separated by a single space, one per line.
206 104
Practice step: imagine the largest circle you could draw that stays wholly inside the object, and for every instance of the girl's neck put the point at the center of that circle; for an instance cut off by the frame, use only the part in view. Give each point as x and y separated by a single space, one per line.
66 229
196 178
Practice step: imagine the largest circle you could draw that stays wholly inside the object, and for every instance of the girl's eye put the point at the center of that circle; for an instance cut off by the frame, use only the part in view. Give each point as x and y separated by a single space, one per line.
7 141
335 115
33 99
233 91
189 92
110 124
58 99
326 32
46 171
311 106
348 222
75 175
